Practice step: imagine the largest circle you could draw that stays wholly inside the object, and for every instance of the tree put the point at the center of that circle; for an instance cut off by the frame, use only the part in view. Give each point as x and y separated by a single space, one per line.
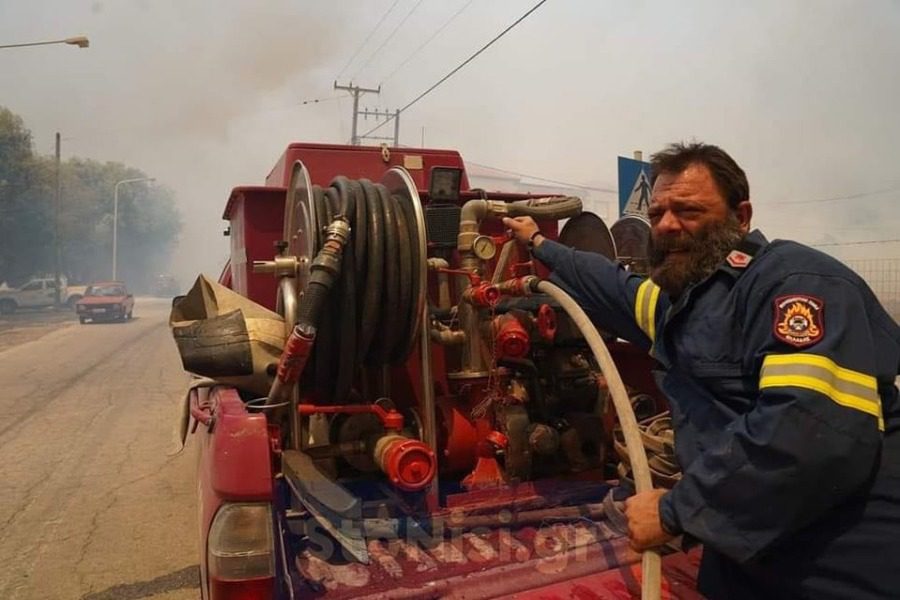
149 221
22 212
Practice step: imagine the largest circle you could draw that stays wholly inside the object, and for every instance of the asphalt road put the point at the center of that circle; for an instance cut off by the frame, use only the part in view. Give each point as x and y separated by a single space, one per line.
93 504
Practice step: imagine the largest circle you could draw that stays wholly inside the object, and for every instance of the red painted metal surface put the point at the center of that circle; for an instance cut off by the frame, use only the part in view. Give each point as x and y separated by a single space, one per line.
458 436
235 463
257 216
326 161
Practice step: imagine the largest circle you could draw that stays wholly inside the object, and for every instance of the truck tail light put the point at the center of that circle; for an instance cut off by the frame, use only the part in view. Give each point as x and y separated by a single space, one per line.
241 551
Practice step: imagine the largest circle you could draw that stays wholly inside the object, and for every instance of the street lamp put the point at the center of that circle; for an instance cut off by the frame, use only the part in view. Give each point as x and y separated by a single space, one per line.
116 215
79 40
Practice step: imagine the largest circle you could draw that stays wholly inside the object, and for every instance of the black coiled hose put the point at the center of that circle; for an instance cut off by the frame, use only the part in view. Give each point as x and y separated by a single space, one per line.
370 316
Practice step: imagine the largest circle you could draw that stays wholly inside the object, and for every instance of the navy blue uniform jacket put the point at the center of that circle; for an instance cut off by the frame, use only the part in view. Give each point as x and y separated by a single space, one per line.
780 372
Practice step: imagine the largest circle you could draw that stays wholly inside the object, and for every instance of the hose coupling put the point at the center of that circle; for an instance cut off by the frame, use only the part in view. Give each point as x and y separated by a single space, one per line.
337 234
483 294
521 286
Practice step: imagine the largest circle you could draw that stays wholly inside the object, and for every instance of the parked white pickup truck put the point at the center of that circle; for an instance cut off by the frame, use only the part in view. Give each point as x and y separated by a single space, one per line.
39 292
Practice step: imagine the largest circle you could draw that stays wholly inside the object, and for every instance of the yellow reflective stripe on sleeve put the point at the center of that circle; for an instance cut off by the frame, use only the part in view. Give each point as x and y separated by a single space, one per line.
645 308
813 372
651 316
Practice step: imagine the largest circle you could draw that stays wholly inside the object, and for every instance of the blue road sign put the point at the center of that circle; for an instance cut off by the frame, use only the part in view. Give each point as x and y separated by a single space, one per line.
634 186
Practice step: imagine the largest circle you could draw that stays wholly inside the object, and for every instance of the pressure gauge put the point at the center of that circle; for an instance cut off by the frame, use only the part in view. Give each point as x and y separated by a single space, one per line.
484 248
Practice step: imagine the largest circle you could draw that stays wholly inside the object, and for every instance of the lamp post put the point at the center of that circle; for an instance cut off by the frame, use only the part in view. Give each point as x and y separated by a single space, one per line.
79 40
116 216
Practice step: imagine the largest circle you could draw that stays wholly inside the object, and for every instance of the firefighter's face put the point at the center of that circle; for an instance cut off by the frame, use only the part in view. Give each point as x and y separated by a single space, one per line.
682 204
692 228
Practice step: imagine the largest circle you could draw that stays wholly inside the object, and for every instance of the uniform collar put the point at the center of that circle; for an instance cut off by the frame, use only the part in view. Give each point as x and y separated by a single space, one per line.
739 259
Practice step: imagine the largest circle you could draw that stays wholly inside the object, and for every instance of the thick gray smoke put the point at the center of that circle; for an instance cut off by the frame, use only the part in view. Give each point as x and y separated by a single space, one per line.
205 95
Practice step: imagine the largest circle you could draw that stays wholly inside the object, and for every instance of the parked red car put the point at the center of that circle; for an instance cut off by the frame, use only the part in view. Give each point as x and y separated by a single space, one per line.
105 301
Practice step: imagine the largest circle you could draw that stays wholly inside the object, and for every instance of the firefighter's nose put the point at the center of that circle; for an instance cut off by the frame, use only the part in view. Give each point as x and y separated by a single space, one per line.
667 224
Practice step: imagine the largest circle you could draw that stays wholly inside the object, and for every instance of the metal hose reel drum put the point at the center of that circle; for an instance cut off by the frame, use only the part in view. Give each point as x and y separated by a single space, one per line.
300 234
632 237
377 311
589 233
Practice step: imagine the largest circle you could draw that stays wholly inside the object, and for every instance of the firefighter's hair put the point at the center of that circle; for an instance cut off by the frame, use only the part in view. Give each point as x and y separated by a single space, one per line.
729 177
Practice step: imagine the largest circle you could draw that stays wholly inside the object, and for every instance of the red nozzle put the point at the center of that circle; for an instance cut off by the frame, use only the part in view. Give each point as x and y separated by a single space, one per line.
510 337
409 464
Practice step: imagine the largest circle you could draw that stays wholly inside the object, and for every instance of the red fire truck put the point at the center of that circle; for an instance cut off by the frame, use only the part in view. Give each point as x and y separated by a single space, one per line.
438 425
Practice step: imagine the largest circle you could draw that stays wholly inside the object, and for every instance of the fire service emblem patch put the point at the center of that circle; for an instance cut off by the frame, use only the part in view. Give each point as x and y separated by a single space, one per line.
799 320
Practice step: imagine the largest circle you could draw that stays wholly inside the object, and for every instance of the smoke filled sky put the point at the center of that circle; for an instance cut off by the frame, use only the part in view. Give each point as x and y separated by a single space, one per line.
204 95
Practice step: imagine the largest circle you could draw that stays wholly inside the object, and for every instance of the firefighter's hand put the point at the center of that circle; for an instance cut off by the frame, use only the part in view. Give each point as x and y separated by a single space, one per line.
644 526
524 229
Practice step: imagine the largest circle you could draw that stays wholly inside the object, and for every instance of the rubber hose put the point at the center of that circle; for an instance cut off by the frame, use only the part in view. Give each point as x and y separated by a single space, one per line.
371 302
553 208
347 325
405 268
326 345
353 206
370 313
403 349
650 562
314 300
391 291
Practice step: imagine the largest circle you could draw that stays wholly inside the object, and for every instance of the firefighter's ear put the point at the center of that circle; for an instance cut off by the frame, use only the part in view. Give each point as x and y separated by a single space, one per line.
744 213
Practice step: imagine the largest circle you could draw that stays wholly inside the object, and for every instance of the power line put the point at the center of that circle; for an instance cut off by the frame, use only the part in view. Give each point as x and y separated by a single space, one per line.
861 243
318 100
839 198
463 64
428 41
368 37
535 177
389 38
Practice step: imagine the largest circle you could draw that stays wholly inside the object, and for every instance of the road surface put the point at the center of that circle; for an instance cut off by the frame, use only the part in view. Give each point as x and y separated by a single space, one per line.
93 505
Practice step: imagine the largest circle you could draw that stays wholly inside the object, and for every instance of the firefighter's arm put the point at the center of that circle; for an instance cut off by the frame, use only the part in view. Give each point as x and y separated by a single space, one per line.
814 436
618 301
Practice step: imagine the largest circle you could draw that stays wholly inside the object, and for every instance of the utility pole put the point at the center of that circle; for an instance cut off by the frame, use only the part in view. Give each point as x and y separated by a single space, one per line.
57 253
386 115
355 90
396 127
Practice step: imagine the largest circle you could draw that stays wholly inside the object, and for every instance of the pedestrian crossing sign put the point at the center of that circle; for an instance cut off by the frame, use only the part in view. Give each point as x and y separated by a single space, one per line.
634 187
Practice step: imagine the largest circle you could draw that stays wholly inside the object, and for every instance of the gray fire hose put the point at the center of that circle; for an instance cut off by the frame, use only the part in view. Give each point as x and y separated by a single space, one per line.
650 563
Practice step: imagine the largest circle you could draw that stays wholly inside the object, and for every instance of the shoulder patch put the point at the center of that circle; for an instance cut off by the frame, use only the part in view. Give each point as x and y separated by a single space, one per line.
738 259
799 320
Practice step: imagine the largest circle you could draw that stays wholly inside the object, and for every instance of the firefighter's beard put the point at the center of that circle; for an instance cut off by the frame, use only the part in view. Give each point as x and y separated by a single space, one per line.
679 262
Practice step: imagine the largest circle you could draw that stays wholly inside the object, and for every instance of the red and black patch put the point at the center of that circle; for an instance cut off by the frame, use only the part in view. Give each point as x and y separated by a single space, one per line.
799 320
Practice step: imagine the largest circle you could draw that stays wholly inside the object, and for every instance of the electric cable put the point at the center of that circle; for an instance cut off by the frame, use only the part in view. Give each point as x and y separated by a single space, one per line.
839 198
428 41
857 243
457 69
318 100
388 39
368 37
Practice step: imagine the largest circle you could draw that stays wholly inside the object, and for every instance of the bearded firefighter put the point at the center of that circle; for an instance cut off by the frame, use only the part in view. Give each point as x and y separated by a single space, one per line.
779 365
